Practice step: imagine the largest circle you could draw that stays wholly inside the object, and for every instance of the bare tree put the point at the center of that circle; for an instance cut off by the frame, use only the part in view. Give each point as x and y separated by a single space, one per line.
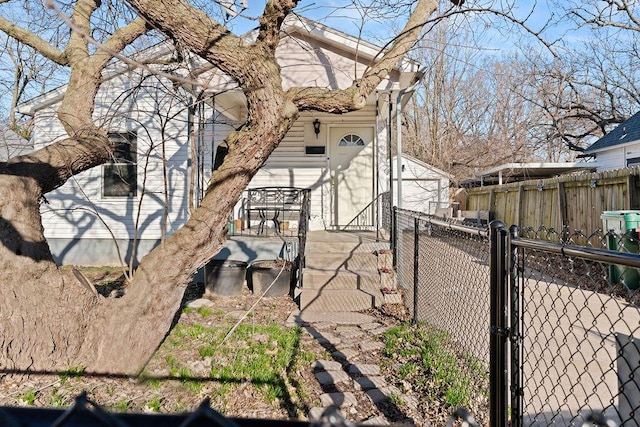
24 72
591 85
472 112
479 109
49 320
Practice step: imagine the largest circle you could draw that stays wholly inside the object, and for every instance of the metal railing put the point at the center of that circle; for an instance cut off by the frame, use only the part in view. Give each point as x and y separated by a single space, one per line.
303 227
556 323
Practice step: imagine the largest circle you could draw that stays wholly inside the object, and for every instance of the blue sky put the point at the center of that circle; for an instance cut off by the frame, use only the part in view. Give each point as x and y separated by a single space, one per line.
495 33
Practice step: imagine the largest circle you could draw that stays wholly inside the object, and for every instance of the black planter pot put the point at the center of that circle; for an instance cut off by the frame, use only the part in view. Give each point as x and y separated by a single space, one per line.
224 277
276 275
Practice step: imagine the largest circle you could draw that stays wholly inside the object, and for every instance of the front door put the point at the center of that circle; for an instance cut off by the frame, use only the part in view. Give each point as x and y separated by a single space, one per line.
351 165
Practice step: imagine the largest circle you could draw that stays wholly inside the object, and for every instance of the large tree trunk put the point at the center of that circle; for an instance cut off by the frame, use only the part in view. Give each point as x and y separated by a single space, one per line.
50 320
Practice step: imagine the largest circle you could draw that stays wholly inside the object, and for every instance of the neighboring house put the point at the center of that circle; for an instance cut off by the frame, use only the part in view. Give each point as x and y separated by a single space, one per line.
96 217
424 187
12 144
620 147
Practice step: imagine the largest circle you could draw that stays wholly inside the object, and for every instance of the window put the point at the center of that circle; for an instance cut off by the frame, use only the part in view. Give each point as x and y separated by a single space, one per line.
633 161
120 175
351 140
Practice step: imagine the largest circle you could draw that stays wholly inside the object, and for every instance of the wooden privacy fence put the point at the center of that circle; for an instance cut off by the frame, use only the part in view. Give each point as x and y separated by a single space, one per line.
576 201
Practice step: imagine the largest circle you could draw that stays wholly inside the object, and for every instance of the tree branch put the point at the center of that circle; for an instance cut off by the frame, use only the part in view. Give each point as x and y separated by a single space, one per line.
354 97
271 21
197 31
30 39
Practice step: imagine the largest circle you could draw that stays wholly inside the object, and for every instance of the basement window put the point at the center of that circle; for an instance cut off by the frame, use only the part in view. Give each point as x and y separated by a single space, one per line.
120 175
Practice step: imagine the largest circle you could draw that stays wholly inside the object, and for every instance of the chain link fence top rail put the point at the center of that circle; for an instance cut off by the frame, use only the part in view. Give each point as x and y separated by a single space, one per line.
579 329
574 349
86 413
450 287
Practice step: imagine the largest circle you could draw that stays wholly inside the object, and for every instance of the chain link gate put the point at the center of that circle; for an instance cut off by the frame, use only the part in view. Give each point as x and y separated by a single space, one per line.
571 329
561 337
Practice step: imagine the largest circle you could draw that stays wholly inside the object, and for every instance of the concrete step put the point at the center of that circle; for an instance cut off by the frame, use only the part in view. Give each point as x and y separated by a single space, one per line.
341 272
322 279
339 300
357 261
315 246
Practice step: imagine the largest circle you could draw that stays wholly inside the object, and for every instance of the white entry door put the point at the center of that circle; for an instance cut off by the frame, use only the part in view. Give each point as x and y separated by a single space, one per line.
351 165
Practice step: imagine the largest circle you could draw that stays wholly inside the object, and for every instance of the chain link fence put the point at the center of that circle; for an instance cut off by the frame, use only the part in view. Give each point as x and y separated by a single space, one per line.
554 315
86 413
575 327
443 269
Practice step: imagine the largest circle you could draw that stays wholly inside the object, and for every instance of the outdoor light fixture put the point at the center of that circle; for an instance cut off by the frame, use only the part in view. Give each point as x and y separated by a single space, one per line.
593 183
316 127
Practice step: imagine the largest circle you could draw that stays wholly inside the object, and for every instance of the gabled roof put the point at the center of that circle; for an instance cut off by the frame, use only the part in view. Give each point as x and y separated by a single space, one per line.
408 68
157 51
626 132
338 38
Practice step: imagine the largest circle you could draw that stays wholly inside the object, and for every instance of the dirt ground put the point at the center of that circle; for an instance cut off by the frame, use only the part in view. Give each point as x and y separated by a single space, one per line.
160 391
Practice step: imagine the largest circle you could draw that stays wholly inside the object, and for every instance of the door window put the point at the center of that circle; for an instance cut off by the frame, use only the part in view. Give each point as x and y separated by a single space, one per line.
351 140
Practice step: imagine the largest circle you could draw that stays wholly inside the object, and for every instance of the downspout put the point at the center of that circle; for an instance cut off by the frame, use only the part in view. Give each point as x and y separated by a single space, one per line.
390 155
419 74
213 131
191 137
377 169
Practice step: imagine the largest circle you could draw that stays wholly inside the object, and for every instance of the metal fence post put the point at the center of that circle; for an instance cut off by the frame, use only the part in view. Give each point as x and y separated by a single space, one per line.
516 333
416 264
394 235
498 398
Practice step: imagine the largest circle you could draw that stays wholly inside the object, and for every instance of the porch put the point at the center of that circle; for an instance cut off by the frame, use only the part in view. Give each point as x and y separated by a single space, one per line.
340 271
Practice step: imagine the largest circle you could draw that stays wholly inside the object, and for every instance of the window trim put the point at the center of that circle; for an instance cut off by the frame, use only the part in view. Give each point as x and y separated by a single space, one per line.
130 139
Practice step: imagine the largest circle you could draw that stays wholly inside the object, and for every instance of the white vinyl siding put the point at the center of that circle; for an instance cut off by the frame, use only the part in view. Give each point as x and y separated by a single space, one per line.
131 103
321 65
423 186
290 166
78 208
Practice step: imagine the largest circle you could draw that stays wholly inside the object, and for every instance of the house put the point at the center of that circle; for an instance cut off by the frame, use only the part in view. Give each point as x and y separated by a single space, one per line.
424 188
12 144
619 148
170 138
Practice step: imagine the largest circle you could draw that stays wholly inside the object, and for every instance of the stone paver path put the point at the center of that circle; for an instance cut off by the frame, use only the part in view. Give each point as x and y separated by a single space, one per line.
351 380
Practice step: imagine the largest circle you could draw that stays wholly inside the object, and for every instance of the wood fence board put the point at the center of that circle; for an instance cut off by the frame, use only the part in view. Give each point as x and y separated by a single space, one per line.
576 201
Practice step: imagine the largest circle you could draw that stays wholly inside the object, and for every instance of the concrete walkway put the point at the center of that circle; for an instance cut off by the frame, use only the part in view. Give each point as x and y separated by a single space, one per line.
349 379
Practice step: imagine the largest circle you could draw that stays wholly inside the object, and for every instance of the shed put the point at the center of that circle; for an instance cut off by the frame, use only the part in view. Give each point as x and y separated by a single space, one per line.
425 188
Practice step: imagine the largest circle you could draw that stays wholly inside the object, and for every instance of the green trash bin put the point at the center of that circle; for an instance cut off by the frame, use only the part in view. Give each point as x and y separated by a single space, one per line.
625 224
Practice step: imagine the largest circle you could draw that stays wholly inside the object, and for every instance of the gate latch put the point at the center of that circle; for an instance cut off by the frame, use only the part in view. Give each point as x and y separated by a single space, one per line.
497 330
